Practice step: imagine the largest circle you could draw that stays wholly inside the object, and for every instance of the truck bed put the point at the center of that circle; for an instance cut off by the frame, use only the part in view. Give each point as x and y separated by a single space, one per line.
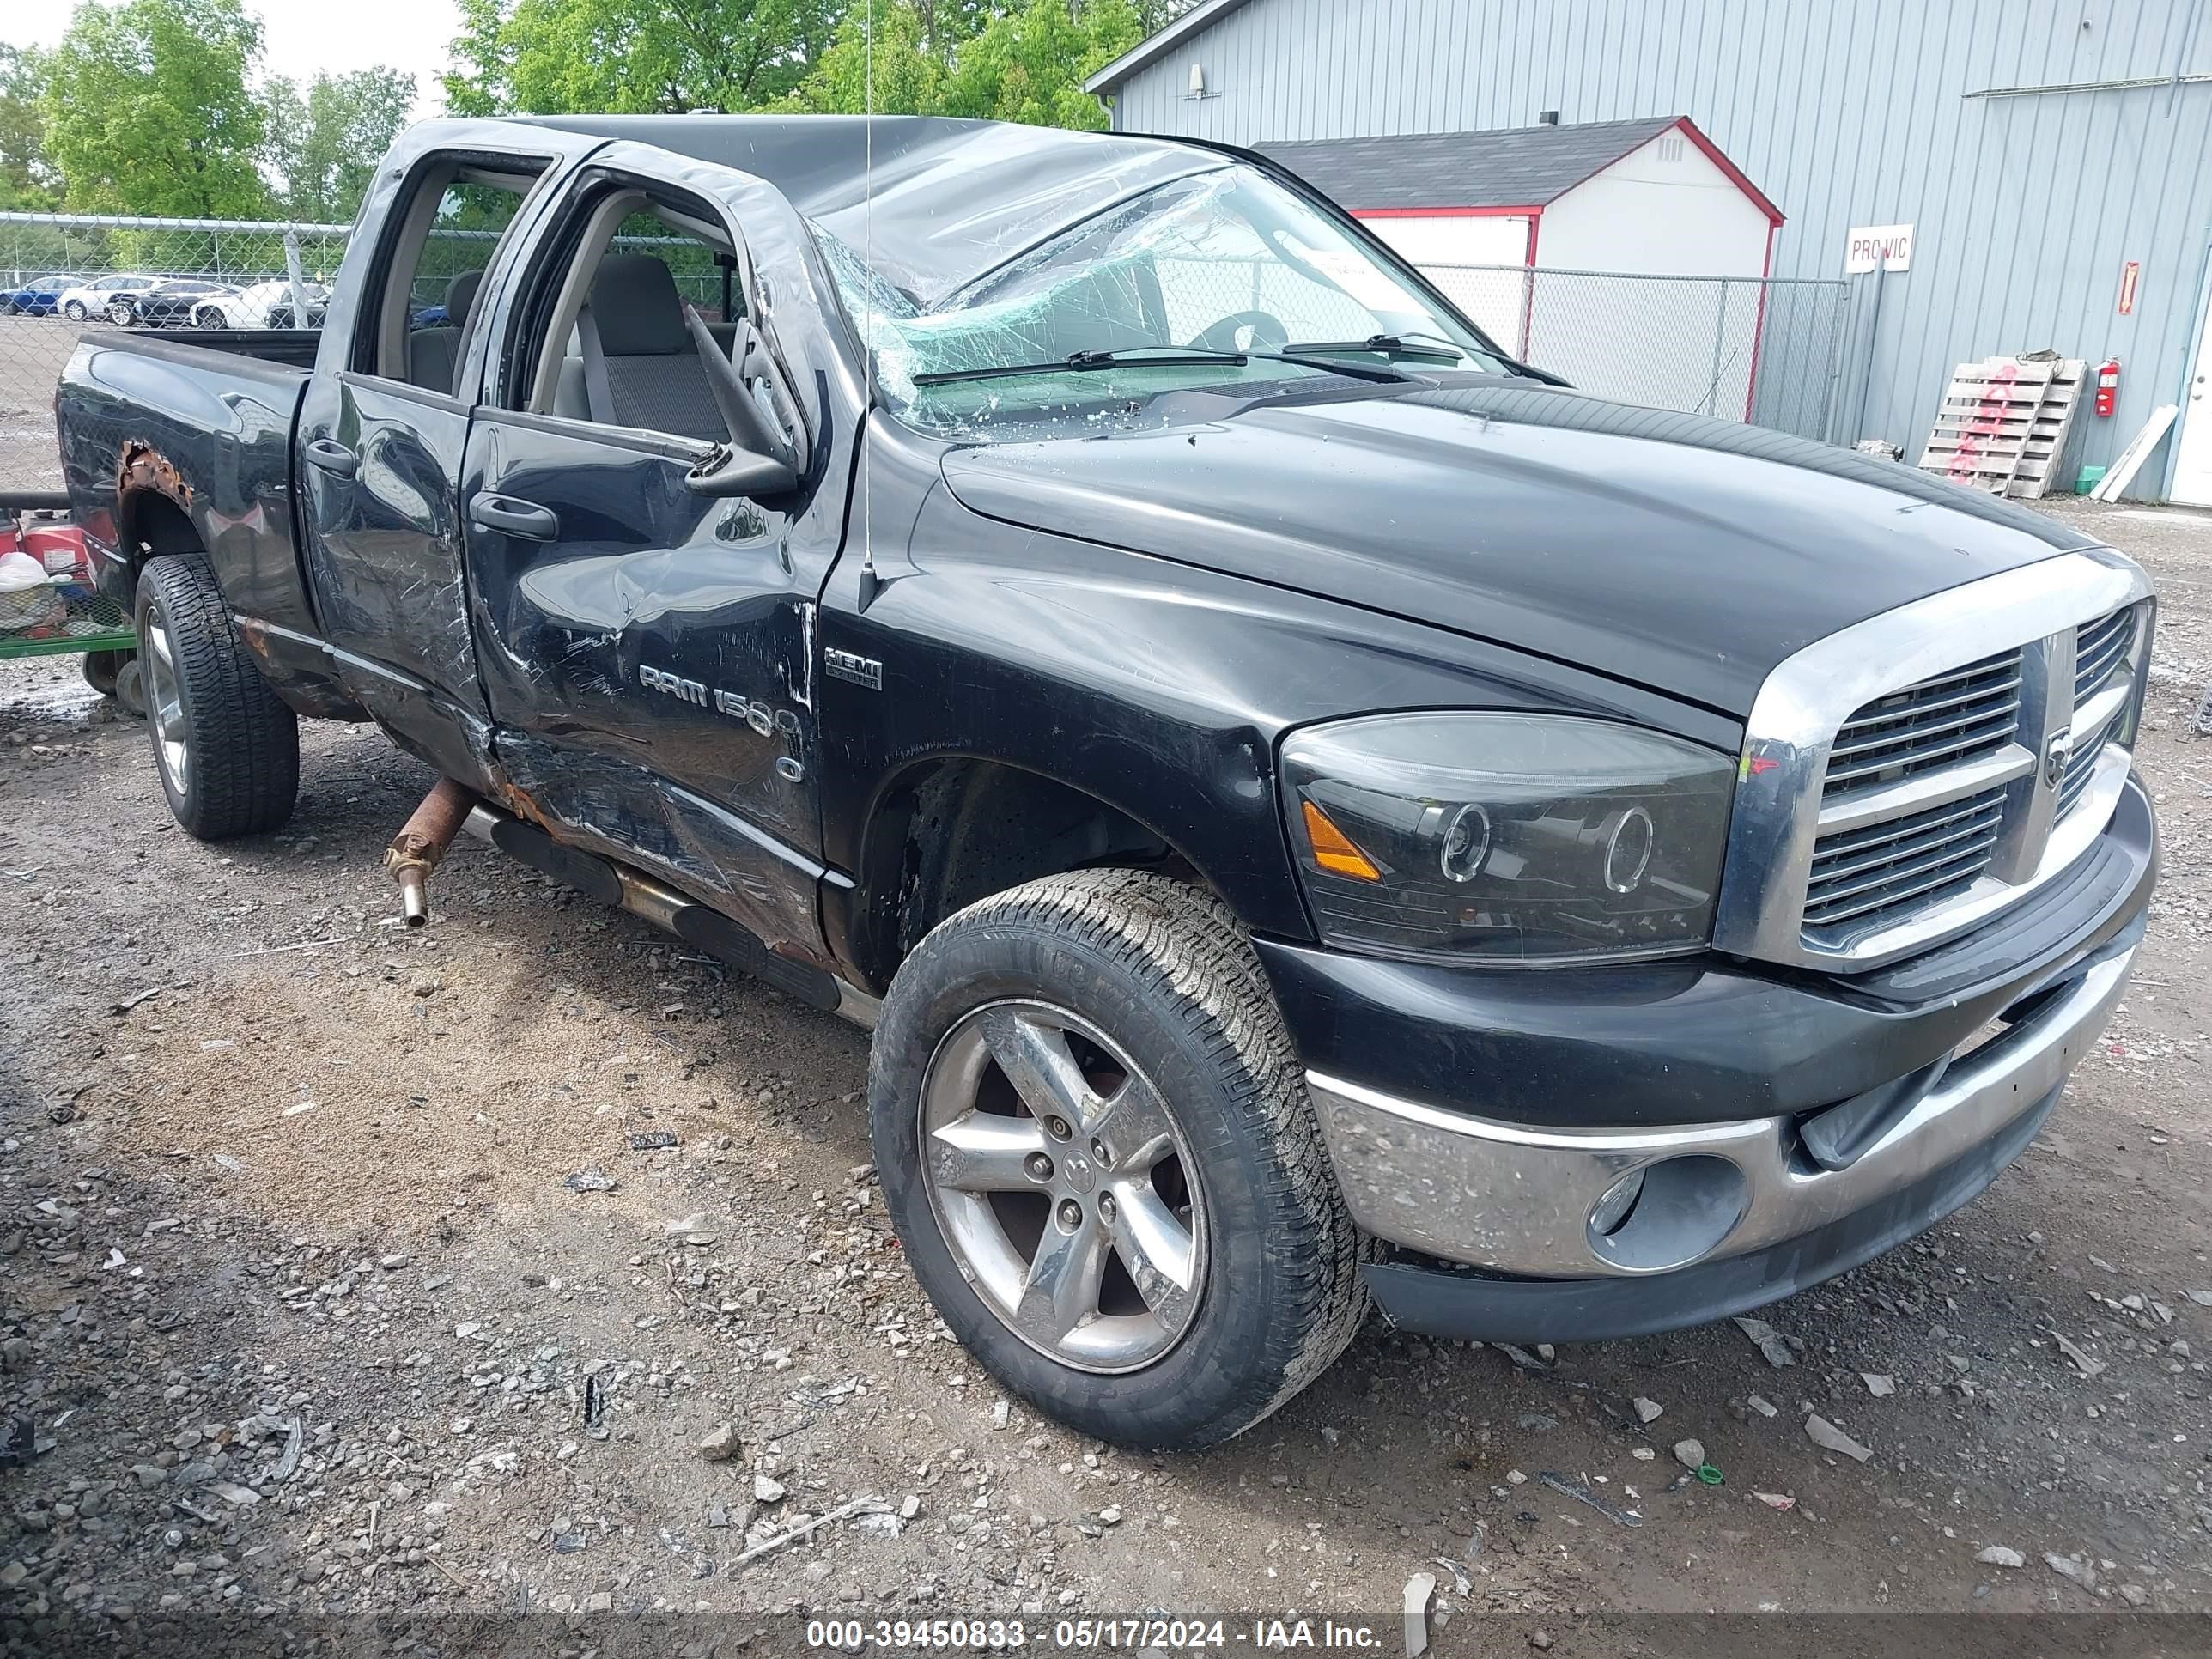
293 347
197 426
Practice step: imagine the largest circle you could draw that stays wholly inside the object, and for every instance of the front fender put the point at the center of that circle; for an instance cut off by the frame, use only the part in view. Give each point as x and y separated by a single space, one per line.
1160 689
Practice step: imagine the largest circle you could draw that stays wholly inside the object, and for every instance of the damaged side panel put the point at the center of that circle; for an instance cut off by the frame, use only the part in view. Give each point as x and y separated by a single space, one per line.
177 446
386 548
646 668
612 807
660 628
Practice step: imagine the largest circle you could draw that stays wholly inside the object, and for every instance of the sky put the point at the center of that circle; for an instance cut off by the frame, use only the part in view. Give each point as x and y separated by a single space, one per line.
300 37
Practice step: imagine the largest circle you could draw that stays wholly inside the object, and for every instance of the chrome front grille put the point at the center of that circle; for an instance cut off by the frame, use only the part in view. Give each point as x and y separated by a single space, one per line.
1947 721
1911 777
2088 745
2100 651
2081 768
1922 753
1892 869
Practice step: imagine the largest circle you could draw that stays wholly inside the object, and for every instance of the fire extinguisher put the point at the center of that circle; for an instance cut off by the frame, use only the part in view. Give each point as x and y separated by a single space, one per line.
2108 386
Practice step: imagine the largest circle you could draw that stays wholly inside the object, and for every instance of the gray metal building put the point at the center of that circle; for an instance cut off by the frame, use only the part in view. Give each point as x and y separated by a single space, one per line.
2037 148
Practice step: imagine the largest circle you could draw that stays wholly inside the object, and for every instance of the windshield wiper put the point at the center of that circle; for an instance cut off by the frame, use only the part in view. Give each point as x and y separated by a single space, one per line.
1081 361
1152 357
1389 345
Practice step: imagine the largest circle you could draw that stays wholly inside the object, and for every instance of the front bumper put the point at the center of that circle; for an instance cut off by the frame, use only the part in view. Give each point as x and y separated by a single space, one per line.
1737 1211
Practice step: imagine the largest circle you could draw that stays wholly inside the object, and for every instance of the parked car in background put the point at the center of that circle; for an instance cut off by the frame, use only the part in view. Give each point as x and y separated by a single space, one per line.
264 305
92 298
167 305
40 296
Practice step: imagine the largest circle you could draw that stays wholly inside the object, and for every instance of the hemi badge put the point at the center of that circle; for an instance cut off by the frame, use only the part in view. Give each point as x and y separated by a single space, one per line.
847 666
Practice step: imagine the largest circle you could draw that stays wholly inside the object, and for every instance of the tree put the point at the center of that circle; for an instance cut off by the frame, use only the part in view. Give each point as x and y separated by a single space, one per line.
27 179
904 72
1029 65
665 57
1021 63
148 109
485 83
324 147
1022 60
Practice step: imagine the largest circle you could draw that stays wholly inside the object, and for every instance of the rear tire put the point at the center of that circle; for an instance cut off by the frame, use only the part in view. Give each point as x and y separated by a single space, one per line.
1137 979
226 749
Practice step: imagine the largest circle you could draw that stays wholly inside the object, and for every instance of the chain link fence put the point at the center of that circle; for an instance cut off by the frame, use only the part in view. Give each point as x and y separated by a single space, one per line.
60 275
1769 351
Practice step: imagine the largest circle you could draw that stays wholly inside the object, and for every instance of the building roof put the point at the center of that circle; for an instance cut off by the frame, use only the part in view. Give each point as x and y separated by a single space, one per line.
1511 167
1155 46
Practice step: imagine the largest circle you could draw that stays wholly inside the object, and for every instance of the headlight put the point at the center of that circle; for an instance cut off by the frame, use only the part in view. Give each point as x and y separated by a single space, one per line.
1507 836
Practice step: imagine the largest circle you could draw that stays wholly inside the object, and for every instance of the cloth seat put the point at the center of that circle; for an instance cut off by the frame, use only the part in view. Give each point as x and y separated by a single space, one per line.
641 367
434 354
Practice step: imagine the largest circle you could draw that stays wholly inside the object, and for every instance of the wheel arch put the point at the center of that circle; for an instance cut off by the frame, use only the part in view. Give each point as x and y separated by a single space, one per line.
153 510
945 831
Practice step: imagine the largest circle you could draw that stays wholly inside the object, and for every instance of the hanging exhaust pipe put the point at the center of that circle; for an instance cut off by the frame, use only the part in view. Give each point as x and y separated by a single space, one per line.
421 842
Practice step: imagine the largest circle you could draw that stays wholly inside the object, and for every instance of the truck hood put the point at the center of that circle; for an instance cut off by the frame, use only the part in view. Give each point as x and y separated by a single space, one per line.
1682 553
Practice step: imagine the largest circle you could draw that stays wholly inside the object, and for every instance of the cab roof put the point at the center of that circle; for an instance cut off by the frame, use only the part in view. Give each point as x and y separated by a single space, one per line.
934 203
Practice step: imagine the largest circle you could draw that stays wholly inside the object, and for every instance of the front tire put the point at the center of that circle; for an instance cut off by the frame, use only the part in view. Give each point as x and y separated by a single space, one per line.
226 749
74 311
1094 1137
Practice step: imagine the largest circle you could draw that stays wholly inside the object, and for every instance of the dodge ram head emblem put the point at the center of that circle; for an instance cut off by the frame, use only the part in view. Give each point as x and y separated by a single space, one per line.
2056 754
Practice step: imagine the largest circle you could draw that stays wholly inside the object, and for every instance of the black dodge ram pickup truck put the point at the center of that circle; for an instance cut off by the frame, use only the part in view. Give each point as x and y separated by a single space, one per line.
1314 810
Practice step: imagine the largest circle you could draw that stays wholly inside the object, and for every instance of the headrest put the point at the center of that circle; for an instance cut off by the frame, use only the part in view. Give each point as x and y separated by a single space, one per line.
461 296
635 306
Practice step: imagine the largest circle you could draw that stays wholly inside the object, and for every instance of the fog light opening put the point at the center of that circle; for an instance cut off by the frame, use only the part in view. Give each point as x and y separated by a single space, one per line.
1612 1212
1668 1214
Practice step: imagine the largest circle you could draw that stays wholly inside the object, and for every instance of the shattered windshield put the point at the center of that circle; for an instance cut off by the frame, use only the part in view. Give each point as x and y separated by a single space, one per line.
1227 261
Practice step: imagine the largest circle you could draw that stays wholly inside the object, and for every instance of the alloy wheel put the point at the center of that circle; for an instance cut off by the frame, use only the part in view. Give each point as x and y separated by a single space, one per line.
74 311
165 704
1063 1186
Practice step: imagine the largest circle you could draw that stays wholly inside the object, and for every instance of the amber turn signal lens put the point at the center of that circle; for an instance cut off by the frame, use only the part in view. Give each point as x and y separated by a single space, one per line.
1332 849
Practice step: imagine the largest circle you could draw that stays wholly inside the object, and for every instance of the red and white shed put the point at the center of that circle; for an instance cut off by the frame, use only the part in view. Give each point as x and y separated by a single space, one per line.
1653 197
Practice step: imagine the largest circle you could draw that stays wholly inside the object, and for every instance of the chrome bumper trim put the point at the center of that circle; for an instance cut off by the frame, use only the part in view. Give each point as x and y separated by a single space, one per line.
1517 1198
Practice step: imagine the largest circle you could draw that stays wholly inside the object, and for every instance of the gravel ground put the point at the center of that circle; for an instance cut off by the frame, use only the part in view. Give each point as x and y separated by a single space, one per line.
531 1264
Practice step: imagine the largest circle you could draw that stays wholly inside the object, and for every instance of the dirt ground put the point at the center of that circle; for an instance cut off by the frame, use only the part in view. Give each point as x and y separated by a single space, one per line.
304 1313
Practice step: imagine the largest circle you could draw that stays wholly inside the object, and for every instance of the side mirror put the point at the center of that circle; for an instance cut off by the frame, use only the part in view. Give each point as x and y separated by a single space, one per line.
758 460
732 472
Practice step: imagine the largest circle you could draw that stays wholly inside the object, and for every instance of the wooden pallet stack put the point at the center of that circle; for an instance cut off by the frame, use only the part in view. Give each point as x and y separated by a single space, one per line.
2003 424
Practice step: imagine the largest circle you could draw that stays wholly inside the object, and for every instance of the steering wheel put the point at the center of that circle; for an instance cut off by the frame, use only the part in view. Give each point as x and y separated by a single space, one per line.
1268 333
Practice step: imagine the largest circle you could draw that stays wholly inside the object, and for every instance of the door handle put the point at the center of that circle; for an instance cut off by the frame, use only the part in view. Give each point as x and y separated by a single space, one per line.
515 517
333 457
